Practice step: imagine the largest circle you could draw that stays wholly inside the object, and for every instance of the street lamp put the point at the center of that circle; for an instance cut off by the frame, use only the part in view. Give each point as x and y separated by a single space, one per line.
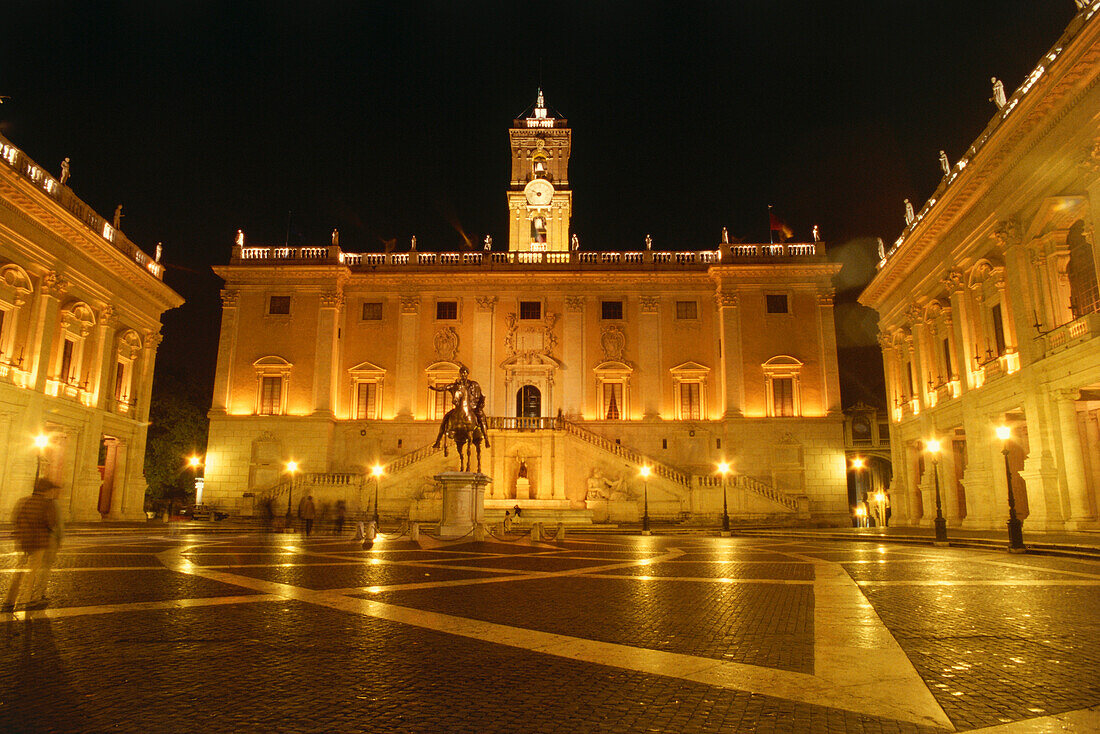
932 446
377 471
857 469
1015 527
724 469
645 472
292 467
195 462
41 441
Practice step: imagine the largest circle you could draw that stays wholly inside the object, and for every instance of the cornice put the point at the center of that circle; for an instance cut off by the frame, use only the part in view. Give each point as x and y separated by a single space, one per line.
1035 116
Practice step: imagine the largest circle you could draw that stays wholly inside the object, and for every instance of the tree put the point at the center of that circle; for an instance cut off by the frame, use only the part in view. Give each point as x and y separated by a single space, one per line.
177 430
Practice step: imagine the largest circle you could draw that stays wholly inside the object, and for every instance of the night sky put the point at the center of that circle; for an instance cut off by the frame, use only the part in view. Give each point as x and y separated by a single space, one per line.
390 120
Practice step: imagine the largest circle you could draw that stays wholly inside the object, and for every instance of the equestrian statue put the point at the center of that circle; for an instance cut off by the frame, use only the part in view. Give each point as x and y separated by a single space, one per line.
464 423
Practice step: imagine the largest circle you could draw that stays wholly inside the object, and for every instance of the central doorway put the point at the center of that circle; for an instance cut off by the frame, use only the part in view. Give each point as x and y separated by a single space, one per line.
529 402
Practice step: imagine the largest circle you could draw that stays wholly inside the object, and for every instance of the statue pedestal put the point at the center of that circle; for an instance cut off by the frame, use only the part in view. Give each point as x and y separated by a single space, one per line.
463 502
523 488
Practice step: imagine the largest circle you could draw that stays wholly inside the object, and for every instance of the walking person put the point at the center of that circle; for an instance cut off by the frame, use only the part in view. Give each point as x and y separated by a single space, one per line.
341 514
307 513
38 532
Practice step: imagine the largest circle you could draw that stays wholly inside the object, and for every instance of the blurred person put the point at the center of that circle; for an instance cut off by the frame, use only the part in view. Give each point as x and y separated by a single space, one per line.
338 521
38 532
307 513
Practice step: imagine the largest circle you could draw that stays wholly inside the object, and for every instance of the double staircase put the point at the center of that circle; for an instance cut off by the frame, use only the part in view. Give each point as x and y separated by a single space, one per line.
682 483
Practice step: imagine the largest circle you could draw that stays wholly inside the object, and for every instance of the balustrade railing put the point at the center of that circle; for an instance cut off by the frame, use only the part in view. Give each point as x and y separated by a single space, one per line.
1080 329
661 259
22 164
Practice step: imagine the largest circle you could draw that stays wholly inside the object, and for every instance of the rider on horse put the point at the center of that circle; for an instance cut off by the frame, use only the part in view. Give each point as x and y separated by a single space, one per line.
466 397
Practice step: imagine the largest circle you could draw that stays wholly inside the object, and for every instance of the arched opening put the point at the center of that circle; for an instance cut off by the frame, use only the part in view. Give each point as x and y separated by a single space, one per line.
528 402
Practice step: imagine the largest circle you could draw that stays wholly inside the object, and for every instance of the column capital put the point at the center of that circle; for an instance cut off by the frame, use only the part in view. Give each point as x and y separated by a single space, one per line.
230 298
726 300
1066 394
1007 233
486 304
574 304
650 304
53 284
332 299
410 304
953 282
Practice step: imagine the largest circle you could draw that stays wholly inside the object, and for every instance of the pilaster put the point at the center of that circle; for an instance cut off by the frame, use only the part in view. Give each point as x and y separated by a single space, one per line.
827 339
227 347
408 342
331 303
46 326
649 356
483 352
573 399
733 378
1073 465
104 357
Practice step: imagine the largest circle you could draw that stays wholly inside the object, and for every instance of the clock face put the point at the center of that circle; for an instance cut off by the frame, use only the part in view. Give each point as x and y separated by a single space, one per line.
539 192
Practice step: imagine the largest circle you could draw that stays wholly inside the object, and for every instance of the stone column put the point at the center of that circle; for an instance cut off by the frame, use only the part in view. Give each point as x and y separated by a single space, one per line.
145 384
649 356
227 349
920 364
733 378
324 352
46 327
830 371
573 403
961 328
483 352
105 358
408 369
1073 464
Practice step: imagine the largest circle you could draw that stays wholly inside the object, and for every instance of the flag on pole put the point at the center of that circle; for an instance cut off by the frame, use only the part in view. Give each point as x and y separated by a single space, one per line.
775 224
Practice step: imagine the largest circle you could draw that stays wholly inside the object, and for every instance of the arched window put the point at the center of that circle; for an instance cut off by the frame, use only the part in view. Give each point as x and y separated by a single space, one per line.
538 229
782 386
272 385
529 402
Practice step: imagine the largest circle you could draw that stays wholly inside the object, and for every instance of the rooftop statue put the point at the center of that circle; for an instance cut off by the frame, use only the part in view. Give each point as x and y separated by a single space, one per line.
488 243
817 234
998 97
909 215
240 238
881 249
336 237
648 242
574 243
945 164
64 170
118 217
725 236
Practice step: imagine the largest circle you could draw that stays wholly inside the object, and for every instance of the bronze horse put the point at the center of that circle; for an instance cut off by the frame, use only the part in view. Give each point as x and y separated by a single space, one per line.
461 426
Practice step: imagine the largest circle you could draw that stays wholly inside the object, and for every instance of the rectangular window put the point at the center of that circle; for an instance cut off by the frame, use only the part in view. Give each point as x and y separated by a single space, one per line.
530 310
3 313
612 400
689 401
271 393
687 310
366 400
66 360
611 309
947 358
783 395
372 311
446 310
439 403
999 330
120 380
279 305
777 303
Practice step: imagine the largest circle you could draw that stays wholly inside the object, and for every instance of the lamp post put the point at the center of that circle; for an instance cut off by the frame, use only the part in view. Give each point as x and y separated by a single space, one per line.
857 469
933 447
41 441
645 471
377 472
292 467
195 462
724 469
1015 527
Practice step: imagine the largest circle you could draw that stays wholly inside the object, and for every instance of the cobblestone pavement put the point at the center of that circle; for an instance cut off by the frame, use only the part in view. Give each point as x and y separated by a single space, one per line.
244 633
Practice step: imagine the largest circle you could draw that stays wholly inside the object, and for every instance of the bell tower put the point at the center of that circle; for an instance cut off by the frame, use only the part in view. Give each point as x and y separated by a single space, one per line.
540 202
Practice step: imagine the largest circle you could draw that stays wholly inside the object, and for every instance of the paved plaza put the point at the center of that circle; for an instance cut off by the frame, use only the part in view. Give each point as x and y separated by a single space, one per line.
148 632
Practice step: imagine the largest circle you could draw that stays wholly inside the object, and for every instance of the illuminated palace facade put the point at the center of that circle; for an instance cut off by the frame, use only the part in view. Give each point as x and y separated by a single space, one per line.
594 364
80 309
989 312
